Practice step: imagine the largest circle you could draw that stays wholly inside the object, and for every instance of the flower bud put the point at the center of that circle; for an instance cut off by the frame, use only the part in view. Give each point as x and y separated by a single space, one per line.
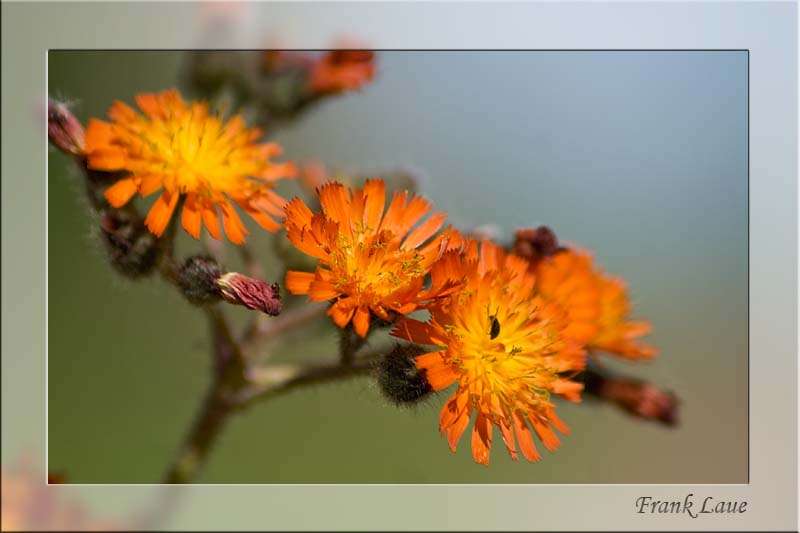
63 129
400 380
252 293
535 244
636 397
132 249
197 279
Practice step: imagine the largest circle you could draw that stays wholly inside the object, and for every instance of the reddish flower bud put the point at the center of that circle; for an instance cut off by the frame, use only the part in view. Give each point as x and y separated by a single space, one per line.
252 293
535 244
63 129
634 396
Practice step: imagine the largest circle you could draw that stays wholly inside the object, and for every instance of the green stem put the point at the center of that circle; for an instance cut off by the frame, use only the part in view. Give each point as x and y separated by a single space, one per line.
349 343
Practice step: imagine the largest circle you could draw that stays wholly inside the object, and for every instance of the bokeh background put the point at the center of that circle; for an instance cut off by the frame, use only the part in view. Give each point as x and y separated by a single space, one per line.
639 156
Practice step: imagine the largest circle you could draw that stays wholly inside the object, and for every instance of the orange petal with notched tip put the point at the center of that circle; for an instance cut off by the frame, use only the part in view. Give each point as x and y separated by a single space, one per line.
440 377
525 438
234 228
122 191
298 282
159 215
508 437
424 231
107 159
341 313
481 439
321 290
361 321
454 431
547 435
98 134
150 184
414 331
211 221
191 220
375 199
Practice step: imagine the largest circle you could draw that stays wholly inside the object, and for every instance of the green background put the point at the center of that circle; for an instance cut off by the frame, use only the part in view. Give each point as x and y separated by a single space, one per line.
638 156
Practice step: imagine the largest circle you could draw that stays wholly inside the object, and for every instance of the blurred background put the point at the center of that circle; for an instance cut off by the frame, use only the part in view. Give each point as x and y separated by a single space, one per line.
638 156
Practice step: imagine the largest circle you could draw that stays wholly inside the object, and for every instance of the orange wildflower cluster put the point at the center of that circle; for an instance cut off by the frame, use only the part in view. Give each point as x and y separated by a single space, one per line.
511 331
188 152
371 261
505 348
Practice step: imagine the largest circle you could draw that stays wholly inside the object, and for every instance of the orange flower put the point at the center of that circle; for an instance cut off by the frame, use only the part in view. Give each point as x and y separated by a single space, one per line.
368 261
618 334
569 279
188 152
597 304
504 347
342 70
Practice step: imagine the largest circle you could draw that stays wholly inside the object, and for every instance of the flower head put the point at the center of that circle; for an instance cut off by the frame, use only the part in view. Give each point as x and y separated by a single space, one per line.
185 150
502 345
369 262
342 70
597 304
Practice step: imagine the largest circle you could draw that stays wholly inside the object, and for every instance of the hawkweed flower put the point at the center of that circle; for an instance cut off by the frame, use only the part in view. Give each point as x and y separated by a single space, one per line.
188 152
369 262
597 304
503 346
332 72
341 71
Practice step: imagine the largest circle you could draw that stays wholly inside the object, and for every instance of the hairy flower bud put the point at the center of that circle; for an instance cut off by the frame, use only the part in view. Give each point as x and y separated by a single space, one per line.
535 244
400 380
63 129
252 293
132 249
197 279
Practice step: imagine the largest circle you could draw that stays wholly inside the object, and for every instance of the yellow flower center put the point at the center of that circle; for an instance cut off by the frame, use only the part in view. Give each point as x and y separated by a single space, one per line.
197 153
372 266
502 346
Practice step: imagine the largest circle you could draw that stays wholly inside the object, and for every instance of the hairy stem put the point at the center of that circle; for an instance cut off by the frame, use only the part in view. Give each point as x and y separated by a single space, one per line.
349 343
